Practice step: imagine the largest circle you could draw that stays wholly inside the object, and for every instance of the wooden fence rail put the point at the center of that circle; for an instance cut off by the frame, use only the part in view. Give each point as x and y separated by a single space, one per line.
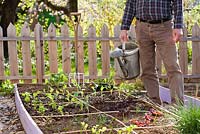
40 52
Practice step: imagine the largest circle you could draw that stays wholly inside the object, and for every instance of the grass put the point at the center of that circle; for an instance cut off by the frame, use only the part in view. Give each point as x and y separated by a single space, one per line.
189 122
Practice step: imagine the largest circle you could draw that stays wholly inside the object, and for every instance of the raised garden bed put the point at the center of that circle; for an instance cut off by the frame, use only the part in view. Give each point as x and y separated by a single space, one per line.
43 109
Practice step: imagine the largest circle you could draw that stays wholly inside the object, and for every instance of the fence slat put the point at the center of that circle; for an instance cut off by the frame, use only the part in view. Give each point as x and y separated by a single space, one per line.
195 50
39 53
92 53
105 51
183 54
12 50
26 52
53 62
66 61
80 51
1 54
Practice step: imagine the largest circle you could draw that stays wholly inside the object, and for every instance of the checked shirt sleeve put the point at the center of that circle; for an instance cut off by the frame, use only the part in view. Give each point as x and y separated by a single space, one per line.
178 14
129 13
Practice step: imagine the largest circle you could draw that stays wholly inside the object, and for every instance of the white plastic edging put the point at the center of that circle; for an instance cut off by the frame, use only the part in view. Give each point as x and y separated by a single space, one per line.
30 127
188 100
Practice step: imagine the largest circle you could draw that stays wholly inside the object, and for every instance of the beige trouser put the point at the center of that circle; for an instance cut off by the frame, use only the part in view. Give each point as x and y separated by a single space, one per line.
159 36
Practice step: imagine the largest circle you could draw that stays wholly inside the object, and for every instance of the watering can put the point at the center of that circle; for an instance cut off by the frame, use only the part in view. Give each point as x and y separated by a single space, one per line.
127 56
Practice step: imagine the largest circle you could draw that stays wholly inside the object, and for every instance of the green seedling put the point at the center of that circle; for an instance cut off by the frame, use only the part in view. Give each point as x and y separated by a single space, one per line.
126 130
35 103
53 105
35 94
50 96
60 109
102 119
27 97
41 108
84 126
97 130
67 96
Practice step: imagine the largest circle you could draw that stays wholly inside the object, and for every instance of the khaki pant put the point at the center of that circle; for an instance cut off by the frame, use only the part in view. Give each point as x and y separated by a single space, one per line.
159 36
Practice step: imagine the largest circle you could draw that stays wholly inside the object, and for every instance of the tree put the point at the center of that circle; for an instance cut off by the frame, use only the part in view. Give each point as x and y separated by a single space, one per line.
8 15
8 12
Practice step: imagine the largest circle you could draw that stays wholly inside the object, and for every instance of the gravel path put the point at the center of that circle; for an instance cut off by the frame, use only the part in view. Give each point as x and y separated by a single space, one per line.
9 120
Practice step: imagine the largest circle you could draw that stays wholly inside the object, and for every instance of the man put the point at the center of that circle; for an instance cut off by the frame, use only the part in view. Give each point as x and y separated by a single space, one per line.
159 25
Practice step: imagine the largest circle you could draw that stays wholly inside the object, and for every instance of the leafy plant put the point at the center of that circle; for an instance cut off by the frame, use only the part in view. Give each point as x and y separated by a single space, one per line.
35 94
84 126
53 104
27 97
57 79
41 108
97 130
60 109
6 87
189 122
126 130
129 87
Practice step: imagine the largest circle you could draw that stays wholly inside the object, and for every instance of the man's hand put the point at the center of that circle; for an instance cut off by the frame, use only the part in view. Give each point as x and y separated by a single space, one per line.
177 33
124 36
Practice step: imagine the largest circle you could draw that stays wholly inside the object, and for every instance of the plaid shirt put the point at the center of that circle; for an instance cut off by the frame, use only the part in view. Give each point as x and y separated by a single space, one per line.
153 10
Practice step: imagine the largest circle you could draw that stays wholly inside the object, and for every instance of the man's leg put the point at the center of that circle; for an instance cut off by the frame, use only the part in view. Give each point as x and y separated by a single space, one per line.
168 53
147 59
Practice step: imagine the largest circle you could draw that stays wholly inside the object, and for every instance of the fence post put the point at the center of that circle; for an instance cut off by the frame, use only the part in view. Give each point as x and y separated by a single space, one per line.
183 54
26 52
105 47
52 44
39 53
12 50
1 54
195 50
92 53
80 51
66 60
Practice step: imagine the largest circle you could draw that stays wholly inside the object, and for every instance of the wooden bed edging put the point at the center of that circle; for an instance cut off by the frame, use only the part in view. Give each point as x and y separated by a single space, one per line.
30 127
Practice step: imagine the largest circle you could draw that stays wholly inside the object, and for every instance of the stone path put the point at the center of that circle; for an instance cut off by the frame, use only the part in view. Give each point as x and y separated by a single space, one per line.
9 120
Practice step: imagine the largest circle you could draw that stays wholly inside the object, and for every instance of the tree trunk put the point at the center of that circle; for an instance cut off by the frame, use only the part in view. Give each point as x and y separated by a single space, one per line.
8 15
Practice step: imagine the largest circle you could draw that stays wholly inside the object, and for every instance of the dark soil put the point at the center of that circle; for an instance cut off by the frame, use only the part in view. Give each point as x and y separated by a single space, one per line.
120 106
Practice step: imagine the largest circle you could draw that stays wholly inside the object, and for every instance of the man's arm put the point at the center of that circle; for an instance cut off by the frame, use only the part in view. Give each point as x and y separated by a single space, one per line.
178 20
129 13
178 14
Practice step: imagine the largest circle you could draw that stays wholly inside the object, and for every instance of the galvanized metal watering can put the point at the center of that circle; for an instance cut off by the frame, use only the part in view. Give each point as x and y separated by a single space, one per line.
127 56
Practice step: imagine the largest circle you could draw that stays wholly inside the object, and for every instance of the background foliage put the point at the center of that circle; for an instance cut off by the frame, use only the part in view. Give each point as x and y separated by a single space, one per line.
93 12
